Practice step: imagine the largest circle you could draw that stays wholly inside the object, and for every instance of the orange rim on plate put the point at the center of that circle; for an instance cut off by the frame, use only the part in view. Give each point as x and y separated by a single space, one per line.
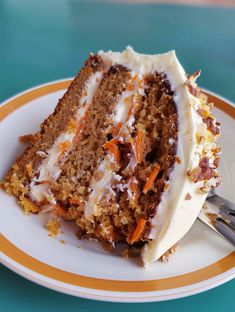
22 258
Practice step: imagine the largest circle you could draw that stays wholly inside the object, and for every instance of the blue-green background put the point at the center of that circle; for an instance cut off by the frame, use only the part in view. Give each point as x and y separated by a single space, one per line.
50 39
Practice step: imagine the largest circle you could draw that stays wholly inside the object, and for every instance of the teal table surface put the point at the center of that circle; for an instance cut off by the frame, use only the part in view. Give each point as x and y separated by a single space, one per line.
46 40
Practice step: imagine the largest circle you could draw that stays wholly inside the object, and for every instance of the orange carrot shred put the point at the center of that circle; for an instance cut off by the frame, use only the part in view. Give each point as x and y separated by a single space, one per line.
130 111
117 128
61 211
112 147
140 83
132 185
138 231
63 146
151 179
139 139
130 87
133 79
114 141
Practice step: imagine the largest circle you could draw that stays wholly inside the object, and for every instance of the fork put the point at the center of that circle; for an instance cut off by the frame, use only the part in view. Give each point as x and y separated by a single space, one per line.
225 222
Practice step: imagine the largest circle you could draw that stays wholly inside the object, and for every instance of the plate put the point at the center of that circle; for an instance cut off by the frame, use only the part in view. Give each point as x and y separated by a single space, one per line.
83 268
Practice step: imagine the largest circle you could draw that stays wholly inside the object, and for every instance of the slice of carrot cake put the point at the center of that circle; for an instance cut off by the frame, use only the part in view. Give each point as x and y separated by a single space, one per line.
129 153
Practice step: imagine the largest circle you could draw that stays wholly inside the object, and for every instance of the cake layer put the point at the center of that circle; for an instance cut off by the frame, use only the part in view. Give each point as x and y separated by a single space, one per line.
84 159
26 166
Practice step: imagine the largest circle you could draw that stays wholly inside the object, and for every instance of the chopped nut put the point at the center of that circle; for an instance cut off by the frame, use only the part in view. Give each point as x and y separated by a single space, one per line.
165 257
216 161
188 196
205 206
203 172
190 84
209 121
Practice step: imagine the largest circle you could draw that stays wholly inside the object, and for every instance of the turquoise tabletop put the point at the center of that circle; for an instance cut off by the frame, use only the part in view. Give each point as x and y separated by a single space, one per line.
46 40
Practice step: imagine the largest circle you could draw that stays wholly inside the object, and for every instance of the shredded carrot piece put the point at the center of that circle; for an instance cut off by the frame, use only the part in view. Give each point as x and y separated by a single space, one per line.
132 185
117 128
112 147
140 83
130 111
138 231
151 179
61 211
130 87
63 146
139 139
133 79
114 141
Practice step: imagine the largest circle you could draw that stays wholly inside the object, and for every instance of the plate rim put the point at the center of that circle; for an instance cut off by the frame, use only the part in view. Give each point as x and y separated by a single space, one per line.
9 106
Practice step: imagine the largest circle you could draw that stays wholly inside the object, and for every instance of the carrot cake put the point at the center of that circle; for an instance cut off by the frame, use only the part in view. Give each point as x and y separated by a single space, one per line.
129 153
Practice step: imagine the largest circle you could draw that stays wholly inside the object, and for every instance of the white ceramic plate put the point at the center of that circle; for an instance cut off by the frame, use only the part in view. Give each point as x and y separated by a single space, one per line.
84 269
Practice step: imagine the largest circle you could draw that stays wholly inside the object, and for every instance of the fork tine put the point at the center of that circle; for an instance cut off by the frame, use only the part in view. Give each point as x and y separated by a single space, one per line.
225 229
220 202
228 215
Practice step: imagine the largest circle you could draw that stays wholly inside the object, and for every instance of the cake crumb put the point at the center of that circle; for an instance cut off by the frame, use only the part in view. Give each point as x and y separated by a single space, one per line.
28 205
165 257
27 138
212 217
53 227
178 160
62 242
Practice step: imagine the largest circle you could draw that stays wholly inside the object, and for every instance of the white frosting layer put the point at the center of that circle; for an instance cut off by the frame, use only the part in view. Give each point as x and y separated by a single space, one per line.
175 215
49 170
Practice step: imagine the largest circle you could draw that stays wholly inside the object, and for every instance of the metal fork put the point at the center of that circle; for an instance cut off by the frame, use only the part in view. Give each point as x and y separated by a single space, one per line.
225 222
